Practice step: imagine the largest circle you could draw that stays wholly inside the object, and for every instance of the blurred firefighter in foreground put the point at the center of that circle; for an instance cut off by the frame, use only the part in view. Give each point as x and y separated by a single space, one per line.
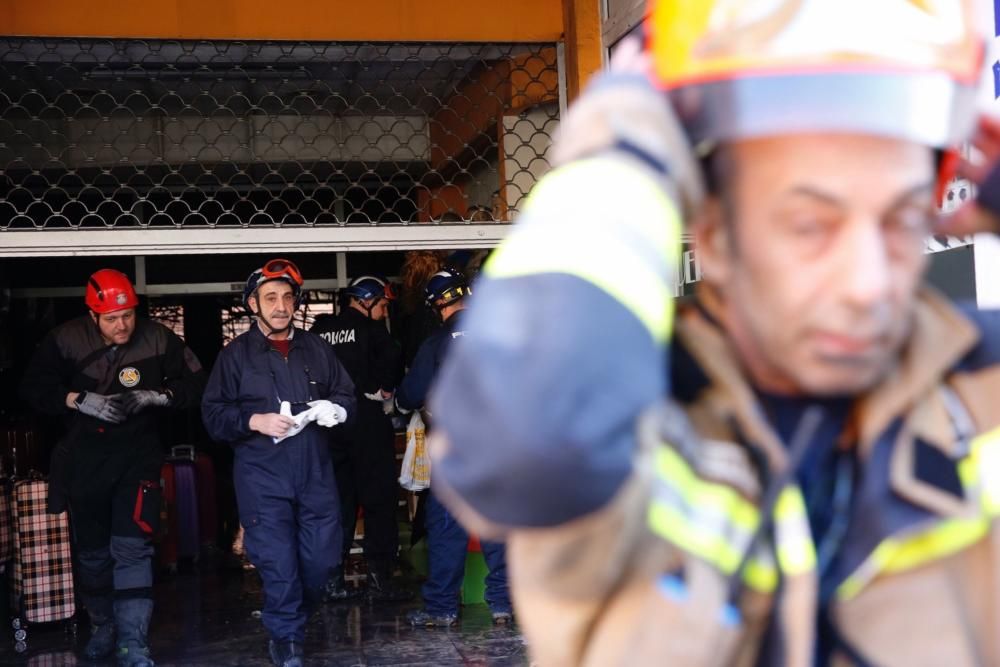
803 466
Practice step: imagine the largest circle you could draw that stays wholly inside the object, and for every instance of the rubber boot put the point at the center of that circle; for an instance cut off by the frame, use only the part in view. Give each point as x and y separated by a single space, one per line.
336 587
132 618
102 627
380 585
285 653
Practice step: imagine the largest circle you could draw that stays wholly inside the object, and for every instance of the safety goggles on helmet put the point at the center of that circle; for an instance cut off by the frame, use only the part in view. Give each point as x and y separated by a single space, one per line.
737 69
446 287
370 287
275 269
281 268
109 291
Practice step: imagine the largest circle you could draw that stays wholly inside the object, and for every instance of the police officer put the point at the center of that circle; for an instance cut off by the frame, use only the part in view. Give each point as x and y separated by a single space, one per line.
364 457
270 393
447 540
111 375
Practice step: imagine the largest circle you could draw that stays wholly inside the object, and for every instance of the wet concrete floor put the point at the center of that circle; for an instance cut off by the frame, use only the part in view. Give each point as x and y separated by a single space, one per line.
208 621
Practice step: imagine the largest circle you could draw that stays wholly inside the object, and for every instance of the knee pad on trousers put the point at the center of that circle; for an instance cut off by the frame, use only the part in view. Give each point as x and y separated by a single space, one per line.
133 558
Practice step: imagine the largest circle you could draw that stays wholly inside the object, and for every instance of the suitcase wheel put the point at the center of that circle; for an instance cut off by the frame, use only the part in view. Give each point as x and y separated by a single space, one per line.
16 623
20 647
20 635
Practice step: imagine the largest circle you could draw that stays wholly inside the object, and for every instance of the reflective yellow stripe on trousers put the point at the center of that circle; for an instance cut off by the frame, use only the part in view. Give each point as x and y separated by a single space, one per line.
608 223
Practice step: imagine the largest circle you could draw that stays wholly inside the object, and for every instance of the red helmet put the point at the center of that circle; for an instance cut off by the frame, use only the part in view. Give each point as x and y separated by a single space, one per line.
109 290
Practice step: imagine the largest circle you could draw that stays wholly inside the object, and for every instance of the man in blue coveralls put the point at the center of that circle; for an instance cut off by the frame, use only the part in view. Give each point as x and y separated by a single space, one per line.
446 539
267 388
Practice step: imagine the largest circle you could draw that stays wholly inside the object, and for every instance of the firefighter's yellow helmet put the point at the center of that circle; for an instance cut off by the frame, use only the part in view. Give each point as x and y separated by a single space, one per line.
744 68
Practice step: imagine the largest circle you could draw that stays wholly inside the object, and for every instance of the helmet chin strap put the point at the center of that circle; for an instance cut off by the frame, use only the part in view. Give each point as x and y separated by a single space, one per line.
366 308
439 309
271 328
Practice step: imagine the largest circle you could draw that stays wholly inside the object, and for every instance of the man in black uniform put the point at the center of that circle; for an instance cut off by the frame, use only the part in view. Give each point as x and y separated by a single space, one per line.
363 454
110 374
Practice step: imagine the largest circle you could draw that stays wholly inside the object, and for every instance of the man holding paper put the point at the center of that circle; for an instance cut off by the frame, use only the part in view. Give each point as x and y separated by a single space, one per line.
272 391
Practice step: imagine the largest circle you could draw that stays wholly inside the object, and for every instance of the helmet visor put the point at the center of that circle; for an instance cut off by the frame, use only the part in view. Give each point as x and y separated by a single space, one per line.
927 108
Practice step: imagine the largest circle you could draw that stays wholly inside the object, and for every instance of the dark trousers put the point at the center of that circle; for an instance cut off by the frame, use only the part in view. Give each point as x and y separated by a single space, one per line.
289 509
114 503
364 460
447 544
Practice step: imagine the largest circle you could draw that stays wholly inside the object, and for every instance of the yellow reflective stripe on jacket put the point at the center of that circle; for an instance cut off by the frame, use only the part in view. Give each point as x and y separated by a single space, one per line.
715 523
606 222
980 475
980 470
796 553
709 520
899 554
761 575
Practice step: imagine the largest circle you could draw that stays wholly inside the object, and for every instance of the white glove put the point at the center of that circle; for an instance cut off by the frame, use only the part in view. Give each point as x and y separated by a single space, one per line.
386 399
301 420
327 413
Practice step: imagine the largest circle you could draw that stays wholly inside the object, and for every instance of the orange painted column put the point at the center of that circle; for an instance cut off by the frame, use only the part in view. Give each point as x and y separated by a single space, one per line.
584 51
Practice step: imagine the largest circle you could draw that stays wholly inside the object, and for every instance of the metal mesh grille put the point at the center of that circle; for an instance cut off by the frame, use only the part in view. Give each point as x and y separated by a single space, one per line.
128 133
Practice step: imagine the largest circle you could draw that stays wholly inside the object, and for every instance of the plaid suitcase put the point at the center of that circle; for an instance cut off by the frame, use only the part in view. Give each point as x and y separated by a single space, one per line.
53 659
43 564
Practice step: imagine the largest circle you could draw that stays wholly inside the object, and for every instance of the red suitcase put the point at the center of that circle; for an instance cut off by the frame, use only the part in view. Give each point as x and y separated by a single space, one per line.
189 518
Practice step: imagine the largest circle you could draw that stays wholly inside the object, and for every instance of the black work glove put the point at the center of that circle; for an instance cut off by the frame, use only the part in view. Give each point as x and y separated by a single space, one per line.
105 408
140 399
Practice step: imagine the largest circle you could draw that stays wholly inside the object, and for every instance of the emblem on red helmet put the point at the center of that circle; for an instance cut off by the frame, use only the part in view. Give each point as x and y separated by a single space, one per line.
109 290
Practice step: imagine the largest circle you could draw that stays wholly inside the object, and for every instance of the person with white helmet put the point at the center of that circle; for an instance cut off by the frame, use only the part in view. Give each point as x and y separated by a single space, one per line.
364 454
801 467
272 394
